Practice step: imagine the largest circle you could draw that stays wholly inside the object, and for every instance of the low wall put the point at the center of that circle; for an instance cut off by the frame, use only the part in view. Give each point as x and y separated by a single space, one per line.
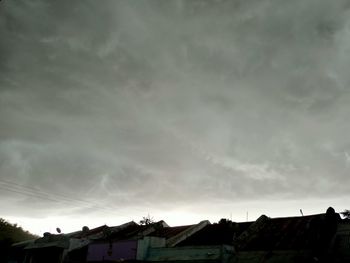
198 253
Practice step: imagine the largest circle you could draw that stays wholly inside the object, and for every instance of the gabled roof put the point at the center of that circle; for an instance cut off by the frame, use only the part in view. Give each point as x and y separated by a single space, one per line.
95 232
128 232
290 233
168 232
104 231
216 234
177 234
22 244
60 241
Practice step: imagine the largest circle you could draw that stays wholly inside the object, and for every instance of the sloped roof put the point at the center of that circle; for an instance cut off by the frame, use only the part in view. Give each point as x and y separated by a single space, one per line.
60 241
89 233
168 232
104 231
22 244
216 234
291 233
128 232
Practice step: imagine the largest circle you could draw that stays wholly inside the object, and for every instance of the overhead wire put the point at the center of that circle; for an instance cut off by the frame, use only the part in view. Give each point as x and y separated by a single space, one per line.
37 193
36 190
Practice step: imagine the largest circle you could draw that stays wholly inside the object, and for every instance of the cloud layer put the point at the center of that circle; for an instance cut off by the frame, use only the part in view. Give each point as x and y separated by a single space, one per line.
163 103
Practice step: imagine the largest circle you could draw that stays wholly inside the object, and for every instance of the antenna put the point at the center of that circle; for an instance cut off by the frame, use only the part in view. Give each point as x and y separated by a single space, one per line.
301 212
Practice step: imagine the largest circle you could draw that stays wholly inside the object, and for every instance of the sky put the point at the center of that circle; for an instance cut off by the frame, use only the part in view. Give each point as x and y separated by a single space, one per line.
181 110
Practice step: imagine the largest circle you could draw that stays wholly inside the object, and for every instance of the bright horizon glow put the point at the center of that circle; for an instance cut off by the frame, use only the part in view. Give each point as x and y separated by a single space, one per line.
237 213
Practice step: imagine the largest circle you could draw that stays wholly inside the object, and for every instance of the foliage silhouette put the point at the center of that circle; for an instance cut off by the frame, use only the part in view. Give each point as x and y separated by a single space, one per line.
9 234
146 220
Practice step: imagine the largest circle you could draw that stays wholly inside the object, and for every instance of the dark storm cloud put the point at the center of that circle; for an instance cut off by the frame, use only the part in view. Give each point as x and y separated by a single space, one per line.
151 102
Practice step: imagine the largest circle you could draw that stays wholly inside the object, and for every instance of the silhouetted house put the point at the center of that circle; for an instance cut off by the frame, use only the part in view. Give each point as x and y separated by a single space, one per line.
341 244
119 245
222 233
17 252
175 235
290 239
315 238
55 248
169 248
50 247
141 243
80 241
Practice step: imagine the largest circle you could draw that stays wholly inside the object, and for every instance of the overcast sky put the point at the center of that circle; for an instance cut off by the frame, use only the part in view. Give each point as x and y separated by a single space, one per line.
186 110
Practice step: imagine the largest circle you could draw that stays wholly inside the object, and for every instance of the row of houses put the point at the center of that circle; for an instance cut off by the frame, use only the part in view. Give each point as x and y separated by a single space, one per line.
314 238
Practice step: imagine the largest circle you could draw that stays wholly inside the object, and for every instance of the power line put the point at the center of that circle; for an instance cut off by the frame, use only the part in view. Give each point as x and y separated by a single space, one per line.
32 189
26 193
36 193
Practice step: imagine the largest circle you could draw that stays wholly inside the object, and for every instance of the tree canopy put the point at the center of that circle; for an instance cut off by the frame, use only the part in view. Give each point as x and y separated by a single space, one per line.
146 220
9 234
13 233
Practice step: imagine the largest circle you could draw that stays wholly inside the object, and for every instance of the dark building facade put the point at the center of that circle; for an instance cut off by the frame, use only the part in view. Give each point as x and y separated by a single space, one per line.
314 238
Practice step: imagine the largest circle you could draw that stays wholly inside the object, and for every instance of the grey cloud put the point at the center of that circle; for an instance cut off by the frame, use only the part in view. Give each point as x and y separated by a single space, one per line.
157 102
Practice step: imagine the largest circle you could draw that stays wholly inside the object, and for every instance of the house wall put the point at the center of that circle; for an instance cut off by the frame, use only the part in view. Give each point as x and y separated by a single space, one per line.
341 245
285 256
122 250
190 254
145 244
44 255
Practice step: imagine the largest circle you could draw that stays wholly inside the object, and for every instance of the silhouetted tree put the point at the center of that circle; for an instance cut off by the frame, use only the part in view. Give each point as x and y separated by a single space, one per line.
13 232
224 221
146 220
9 234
